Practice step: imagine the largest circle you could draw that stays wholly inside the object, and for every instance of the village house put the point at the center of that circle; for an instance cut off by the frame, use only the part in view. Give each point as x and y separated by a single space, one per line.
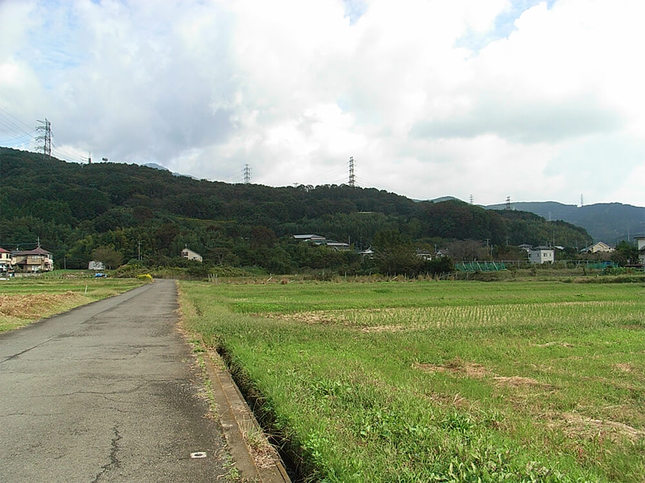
36 260
641 248
191 255
5 260
542 255
311 238
599 247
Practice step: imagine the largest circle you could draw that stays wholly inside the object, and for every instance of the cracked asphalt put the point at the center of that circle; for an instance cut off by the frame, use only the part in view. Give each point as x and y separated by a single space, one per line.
106 392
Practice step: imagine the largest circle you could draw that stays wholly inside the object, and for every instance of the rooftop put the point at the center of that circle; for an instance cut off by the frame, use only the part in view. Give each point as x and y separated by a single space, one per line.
35 251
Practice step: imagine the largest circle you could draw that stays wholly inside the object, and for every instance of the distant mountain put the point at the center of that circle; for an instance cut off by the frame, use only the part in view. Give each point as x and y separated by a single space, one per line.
607 222
444 198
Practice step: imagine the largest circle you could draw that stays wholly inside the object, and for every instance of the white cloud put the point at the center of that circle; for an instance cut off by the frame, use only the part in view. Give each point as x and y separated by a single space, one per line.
432 98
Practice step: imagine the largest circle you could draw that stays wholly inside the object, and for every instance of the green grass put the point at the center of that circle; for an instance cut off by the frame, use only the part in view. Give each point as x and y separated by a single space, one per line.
25 300
445 381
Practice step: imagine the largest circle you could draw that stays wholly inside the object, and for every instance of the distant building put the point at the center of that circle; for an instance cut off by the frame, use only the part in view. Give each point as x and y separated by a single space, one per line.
96 265
191 255
425 255
641 248
36 260
340 246
311 238
526 247
599 247
542 255
5 260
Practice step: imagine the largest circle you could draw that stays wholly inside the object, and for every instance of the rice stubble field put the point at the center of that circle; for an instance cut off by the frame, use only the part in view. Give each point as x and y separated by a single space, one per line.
26 300
438 381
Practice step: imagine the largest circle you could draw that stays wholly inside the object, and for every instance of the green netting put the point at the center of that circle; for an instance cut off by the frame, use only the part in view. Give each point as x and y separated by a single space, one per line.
480 266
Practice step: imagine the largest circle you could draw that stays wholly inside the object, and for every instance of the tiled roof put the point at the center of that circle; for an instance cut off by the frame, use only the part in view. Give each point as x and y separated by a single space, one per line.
35 251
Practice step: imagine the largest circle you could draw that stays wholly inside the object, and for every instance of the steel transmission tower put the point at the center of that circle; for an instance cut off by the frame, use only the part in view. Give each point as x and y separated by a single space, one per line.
247 174
45 128
508 202
352 178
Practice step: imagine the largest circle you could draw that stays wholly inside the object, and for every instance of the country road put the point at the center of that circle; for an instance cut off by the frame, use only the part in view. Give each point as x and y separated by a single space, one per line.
106 392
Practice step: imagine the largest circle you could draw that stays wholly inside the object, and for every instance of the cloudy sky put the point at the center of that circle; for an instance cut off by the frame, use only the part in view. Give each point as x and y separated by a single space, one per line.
536 100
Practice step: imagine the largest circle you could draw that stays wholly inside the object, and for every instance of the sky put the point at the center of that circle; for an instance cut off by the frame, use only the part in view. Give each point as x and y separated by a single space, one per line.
477 99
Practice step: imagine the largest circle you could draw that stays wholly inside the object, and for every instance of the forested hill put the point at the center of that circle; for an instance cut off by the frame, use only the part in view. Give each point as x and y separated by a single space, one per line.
608 222
74 208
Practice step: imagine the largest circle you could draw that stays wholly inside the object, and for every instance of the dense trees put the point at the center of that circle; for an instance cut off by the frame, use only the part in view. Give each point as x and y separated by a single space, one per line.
625 254
75 209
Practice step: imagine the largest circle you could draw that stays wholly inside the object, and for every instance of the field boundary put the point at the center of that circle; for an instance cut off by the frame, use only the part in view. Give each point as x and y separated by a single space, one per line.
239 425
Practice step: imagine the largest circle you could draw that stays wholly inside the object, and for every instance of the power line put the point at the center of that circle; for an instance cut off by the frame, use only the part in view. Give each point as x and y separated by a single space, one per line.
15 120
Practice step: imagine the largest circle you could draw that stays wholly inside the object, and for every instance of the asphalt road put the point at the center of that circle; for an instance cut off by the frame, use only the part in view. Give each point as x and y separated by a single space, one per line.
106 392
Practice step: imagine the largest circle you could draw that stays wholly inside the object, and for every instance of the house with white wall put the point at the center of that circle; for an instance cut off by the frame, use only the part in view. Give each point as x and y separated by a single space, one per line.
600 247
5 260
641 248
542 255
191 255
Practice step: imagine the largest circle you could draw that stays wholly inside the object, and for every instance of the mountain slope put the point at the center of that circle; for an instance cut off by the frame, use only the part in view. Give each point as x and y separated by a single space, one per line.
608 222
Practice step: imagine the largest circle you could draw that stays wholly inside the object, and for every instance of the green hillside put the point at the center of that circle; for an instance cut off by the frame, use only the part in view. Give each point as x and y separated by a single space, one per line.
74 208
607 222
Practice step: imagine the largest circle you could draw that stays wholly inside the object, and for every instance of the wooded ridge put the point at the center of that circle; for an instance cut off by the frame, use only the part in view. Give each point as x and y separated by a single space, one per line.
152 214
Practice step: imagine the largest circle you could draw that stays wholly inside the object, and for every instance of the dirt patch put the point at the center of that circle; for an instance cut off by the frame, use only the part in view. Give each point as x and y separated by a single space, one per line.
29 306
580 425
328 318
455 400
309 318
518 381
377 329
625 367
551 344
456 366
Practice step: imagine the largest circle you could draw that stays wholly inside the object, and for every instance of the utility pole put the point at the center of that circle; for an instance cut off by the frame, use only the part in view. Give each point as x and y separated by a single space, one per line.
247 174
352 178
45 128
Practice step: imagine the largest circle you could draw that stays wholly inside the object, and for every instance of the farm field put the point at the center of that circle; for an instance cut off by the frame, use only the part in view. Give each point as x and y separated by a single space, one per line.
439 381
25 300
